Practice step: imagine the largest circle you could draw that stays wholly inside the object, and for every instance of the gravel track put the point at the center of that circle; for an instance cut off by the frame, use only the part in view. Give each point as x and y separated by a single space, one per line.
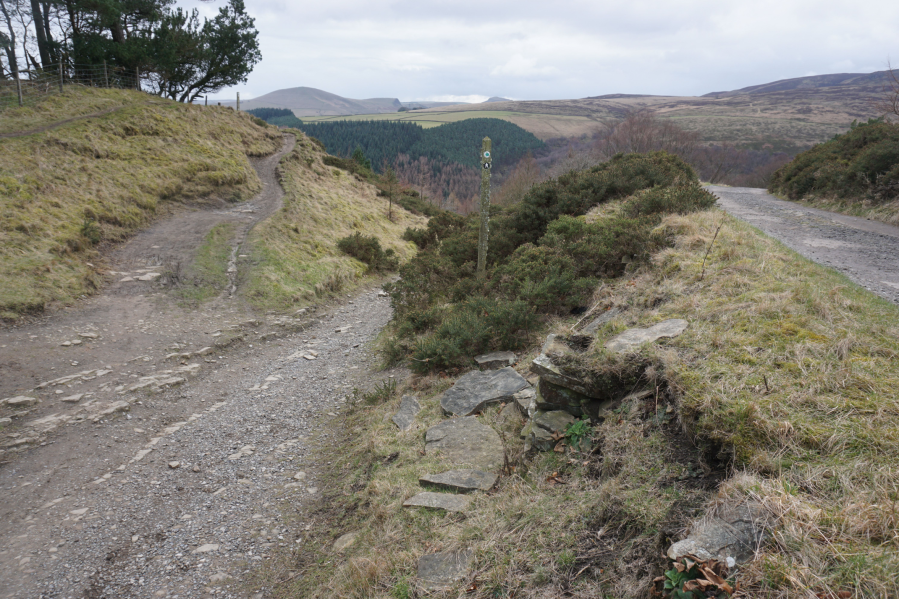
168 444
865 251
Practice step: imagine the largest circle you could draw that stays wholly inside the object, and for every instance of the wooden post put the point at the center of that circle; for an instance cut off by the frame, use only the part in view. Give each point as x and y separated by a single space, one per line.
105 74
60 76
238 101
18 86
486 165
137 79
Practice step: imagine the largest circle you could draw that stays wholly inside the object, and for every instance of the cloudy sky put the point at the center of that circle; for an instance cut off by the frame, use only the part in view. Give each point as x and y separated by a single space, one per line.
532 50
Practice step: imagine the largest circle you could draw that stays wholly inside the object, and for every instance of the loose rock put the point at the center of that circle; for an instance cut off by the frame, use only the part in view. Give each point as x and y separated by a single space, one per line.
405 416
494 360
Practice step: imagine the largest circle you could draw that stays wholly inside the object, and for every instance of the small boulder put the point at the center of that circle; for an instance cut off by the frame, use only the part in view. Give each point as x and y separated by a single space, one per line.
19 401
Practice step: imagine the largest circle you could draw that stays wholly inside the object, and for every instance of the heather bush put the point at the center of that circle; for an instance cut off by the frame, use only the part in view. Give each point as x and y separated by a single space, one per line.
367 249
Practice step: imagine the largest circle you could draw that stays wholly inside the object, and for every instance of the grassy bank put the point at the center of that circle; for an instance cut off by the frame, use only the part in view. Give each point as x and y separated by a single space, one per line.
294 253
781 391
65 191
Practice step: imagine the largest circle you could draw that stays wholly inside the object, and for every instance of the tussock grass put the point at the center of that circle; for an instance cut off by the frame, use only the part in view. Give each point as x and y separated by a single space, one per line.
295 253
102 179
791 371
785 384
885 212
76 101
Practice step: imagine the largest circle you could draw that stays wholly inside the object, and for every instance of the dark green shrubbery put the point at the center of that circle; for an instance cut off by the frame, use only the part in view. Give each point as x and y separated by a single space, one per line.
368 250
544 258
860 164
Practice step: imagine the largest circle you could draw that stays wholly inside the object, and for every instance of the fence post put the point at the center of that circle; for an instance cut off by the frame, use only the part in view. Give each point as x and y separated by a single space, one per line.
105 75
137 79
60 77
18 87
238 101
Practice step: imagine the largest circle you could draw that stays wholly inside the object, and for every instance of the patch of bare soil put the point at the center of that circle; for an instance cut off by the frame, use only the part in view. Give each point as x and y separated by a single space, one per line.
158 444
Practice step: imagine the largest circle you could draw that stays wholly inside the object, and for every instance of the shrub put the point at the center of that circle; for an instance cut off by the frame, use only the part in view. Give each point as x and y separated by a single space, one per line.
860 164
543 258
368 250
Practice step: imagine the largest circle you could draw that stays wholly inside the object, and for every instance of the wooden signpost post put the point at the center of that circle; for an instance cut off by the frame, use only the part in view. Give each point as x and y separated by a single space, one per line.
486 165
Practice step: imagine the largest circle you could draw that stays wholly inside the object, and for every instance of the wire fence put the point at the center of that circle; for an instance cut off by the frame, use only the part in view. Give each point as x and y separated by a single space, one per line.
33 85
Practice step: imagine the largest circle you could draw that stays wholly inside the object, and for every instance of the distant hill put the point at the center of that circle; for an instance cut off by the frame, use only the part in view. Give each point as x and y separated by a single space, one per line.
497 99
308 101
808 83
418 104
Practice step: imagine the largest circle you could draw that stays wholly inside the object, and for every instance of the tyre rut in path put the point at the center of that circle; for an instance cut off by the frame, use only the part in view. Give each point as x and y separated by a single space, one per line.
865 251
91 505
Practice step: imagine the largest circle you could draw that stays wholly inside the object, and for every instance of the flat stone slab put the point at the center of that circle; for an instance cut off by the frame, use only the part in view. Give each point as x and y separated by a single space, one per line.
405 416
545 368
19 400
475 390
494 360
730 535
461 481
466 442
441 570
633 338
439 501
345 541
556 421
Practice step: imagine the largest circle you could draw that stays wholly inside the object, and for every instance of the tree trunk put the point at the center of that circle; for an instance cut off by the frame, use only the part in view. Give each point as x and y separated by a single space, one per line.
40 31
11 50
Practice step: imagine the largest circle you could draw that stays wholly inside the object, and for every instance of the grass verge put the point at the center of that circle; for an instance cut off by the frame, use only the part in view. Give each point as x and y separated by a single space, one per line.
207 275
294 253
64 191
781 391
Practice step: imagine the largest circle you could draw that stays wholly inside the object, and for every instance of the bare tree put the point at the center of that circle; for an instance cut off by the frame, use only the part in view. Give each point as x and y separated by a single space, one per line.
643 131
888 104
8 40
524 176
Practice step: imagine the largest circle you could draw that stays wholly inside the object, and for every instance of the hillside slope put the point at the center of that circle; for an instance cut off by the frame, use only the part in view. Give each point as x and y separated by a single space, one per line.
66 191
295 252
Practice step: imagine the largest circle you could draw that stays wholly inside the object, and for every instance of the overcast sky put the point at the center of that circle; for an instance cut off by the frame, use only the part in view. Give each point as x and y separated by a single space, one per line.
534 50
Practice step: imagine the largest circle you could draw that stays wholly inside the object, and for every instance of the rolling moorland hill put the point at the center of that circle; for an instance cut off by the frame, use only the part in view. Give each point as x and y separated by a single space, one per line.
308 101
788 115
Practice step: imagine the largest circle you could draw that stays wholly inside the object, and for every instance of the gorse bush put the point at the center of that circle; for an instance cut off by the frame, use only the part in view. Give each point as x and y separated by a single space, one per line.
860 164
544 258
368 249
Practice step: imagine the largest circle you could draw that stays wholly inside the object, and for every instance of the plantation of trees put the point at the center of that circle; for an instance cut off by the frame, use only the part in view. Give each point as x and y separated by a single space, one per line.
442 161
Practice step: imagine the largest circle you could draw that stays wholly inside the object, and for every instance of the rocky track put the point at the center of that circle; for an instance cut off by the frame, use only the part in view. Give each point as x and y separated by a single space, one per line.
865 251
155 450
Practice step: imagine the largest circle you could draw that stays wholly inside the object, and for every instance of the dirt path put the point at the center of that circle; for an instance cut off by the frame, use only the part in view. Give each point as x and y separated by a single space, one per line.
164 450
865 251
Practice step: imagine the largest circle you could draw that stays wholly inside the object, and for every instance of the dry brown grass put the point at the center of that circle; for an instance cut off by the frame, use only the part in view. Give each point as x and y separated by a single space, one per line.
102 179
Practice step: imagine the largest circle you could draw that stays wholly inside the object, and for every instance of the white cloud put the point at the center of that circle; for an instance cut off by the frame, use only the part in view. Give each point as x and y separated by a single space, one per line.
567 49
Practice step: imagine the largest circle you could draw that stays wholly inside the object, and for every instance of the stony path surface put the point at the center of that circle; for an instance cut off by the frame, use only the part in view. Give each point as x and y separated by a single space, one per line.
865 251
160 446
189 487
